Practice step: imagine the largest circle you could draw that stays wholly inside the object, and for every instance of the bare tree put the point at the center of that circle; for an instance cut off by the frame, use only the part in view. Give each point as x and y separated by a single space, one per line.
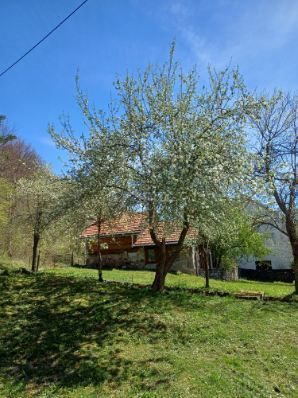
17 160
5 134
276 126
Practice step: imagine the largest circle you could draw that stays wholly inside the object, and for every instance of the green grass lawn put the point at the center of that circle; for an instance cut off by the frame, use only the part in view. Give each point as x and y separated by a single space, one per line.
71 337
276 289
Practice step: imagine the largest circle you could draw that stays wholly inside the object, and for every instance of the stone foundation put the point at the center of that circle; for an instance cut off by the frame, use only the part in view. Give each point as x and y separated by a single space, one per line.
222 274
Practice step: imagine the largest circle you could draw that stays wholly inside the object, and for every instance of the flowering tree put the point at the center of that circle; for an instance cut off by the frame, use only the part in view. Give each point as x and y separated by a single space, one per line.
37 199
175 148
5 192
229 237
84 201
276 127
236 238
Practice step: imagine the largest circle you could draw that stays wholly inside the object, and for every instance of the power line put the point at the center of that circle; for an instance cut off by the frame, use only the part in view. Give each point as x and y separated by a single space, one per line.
44 38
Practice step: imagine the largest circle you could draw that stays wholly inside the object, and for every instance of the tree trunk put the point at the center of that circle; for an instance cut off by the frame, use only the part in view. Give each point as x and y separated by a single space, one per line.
207 275
296 272
163 267
99 267
207 269
38 261
165 262
207 272
292 233
99 258
158 284
36 238
295 266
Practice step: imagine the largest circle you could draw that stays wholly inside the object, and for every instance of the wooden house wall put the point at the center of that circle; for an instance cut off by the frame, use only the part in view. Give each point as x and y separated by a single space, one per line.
115 244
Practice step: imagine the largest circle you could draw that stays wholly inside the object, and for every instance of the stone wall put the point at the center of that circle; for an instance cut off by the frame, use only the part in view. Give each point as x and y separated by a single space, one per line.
136 260
125 259
216 273
184 262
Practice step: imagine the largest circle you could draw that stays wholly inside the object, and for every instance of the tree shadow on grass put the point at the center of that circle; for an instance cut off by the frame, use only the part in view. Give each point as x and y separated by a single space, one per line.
69 332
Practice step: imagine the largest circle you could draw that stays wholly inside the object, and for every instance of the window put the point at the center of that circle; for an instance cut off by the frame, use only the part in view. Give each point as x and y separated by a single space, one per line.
263 265
150 256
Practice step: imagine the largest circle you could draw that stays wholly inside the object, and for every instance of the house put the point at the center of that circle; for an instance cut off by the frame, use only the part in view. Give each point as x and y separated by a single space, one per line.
126 242
280 256
276 266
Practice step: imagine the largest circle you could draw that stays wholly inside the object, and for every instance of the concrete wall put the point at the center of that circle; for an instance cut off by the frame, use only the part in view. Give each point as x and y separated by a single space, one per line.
281 253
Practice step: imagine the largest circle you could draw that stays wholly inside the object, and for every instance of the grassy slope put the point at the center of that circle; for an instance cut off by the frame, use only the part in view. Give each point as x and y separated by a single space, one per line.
72 337
277 289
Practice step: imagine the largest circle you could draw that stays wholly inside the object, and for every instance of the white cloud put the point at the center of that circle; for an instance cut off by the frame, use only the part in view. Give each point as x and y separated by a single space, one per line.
241 30
46 140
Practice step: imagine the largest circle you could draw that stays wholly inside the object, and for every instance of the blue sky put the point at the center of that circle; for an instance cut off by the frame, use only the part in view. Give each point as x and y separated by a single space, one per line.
107 38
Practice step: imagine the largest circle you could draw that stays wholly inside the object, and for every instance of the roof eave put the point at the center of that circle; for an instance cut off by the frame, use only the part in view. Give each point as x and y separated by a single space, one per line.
114 234
174 242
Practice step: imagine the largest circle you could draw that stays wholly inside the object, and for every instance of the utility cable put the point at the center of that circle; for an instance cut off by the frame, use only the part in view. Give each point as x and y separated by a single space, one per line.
43 39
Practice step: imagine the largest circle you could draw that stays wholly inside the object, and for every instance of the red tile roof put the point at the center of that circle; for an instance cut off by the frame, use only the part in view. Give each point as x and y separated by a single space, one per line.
127 223
171 236
135 223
